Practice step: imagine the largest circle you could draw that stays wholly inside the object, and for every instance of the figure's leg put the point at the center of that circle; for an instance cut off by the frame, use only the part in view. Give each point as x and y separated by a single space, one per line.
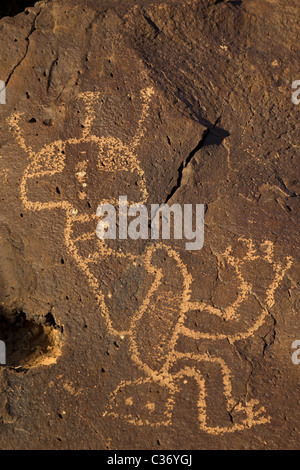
218 411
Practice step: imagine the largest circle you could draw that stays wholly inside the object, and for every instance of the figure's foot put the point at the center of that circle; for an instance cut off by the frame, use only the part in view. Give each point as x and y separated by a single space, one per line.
243 416
250 413
142 402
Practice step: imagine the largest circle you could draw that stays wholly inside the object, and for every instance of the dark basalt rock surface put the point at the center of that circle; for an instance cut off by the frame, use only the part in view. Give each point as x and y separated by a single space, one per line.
148 345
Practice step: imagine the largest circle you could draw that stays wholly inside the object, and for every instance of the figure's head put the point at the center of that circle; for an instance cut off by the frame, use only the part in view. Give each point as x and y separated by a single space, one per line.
81 173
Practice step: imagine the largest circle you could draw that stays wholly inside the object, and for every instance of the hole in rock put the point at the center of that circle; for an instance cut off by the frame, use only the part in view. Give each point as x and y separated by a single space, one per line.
29 342
13 7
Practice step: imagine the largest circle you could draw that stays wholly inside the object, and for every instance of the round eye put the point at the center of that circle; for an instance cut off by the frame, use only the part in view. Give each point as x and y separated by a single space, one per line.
129 401
150 406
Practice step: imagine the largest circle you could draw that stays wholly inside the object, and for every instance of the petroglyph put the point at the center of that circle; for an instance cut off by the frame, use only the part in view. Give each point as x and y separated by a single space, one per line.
154 329
159 367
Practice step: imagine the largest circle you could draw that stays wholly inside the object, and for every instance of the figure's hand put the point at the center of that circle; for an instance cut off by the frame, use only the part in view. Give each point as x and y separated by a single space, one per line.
248 277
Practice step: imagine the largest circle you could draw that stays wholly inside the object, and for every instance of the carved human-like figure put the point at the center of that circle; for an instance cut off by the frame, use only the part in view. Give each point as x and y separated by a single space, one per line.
153 327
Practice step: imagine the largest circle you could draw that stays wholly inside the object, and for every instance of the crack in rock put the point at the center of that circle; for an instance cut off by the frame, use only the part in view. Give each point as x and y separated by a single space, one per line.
211 136
27 39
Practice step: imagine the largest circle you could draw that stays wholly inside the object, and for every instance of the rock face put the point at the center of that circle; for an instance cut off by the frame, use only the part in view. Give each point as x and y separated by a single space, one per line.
142 344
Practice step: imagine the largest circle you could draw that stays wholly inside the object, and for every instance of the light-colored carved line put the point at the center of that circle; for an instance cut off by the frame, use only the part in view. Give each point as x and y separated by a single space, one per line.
13 122
163 377
146 96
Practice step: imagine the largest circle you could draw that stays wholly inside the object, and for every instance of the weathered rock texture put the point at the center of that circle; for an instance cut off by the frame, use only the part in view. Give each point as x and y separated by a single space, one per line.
134 344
